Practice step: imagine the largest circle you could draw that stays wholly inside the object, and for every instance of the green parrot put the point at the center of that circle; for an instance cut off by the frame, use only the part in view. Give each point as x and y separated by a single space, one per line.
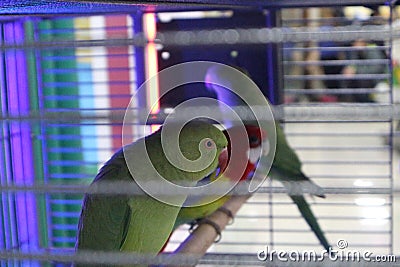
141 223
286 168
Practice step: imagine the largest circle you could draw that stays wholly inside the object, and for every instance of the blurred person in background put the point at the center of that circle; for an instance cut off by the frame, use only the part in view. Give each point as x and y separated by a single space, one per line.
357 74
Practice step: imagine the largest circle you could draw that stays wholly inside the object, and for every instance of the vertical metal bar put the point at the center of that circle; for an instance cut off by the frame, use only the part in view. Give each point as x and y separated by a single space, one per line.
271 214
275 92
391 134
274 62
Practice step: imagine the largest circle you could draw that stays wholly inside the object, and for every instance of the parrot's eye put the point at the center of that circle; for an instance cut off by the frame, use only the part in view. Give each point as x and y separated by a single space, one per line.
253 140
209 143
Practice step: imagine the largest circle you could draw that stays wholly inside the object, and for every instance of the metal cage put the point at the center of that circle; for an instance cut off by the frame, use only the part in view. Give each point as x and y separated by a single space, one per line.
69 69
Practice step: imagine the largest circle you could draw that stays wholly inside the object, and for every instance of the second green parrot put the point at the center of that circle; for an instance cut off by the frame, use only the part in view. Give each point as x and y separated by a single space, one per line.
286 166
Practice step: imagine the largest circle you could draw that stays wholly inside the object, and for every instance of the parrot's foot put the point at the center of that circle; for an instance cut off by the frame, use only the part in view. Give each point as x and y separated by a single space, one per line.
196 223
228 213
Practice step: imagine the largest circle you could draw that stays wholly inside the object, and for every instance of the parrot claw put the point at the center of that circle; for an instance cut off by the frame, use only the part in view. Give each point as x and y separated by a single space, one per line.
193 225
196 223
228 213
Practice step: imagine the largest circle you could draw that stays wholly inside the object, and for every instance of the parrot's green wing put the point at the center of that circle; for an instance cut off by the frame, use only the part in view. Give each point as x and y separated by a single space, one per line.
187 215
108 215
286 168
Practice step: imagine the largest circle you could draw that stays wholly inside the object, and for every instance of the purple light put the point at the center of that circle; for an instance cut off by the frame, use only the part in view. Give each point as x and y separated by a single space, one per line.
20 136
10 224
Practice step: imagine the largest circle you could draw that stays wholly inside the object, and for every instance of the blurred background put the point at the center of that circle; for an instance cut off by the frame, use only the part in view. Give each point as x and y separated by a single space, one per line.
68 72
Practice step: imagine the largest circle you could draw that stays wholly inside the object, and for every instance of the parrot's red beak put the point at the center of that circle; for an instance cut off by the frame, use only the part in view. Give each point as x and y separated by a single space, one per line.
223 160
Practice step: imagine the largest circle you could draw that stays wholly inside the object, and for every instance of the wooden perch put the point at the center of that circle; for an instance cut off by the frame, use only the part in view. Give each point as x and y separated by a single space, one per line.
204 235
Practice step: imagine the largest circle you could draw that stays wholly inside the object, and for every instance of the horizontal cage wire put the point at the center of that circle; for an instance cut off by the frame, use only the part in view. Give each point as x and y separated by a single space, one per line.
229 37
330 73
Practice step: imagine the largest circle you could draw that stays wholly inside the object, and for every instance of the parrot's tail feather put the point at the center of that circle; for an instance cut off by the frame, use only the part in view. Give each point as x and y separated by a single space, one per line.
308 215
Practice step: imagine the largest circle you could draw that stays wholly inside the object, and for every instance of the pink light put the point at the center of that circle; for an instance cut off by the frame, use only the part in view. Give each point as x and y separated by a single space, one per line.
151 59
150 26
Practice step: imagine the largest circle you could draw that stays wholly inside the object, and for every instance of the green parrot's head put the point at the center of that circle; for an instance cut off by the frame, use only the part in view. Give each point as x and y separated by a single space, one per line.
186 154
203 142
